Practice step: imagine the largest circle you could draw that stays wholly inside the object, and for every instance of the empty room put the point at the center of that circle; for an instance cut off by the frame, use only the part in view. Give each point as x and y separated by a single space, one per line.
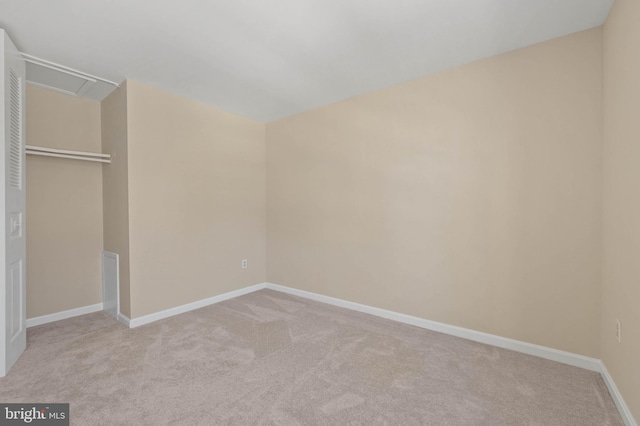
320 212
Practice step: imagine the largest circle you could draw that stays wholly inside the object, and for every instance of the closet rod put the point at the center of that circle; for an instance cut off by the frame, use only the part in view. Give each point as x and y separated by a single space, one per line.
65 153
73 157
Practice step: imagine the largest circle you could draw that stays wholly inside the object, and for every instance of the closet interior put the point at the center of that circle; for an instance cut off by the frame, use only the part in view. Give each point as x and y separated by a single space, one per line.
64 225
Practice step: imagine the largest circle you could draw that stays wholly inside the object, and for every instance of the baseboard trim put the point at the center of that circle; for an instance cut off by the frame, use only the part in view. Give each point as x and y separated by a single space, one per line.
44 319
622 406
146 319
477 336
124 319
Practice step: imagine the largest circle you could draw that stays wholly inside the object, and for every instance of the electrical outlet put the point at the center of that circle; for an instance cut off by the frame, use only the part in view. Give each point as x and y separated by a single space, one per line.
618 331
244 264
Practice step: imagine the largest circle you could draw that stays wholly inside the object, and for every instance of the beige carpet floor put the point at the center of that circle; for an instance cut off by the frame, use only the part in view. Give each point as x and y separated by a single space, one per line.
272 359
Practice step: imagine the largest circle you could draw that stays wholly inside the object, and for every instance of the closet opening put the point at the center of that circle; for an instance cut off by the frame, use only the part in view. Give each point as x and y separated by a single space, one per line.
67 271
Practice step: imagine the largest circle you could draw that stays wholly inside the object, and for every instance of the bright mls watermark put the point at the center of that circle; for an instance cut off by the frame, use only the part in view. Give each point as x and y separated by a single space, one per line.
34 414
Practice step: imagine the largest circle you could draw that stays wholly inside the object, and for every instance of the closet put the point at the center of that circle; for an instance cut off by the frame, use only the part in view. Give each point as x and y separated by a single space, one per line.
64 225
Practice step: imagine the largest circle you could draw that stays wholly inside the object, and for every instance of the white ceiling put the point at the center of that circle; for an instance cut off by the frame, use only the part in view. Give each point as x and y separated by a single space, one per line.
267 59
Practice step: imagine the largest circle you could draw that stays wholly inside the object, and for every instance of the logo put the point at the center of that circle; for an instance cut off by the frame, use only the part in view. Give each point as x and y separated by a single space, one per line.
34 414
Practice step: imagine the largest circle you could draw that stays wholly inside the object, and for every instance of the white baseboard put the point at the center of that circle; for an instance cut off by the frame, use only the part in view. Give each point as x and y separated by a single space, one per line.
44 319
623 409
477 336
124 319
146 319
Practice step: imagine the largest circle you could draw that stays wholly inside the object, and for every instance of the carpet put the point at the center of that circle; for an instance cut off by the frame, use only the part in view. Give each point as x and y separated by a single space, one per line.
269 358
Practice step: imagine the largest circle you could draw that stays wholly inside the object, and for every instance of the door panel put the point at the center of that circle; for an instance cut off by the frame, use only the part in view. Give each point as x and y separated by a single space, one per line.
13 335
16 296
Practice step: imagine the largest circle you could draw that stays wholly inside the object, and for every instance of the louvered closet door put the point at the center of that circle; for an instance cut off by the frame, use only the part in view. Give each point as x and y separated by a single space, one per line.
13 338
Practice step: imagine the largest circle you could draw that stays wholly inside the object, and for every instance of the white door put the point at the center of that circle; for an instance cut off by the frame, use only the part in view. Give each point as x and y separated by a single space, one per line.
13 334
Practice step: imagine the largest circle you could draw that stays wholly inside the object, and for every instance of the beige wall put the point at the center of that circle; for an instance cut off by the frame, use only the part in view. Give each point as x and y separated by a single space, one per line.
196 200
621 271
115 187
64 205
470 197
